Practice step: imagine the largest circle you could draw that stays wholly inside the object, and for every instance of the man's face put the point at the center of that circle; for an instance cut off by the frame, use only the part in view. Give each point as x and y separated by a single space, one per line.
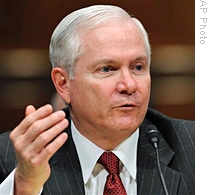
110 92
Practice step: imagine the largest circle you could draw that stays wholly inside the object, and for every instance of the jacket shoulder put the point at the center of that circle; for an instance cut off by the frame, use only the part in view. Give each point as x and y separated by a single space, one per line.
167 124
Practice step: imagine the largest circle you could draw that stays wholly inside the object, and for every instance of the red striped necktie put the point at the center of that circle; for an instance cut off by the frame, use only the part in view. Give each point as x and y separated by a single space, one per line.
113 184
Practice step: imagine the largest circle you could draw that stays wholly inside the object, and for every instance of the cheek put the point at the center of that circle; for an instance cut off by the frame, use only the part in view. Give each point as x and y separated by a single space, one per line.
100 90
148 89
87 94
144 87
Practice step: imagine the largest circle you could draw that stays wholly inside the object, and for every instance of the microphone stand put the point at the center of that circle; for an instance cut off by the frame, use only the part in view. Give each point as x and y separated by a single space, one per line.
153 138
159 168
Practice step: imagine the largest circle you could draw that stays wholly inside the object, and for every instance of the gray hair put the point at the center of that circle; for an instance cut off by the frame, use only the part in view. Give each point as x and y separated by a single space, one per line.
65 46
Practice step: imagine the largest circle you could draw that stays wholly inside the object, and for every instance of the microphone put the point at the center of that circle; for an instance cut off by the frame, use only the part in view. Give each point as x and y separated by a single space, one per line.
153 138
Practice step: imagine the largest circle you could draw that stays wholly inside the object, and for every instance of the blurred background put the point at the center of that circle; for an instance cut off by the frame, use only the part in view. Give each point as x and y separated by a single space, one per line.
25 30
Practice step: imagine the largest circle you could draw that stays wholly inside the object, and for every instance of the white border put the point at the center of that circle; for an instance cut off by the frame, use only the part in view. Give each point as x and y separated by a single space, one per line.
202 95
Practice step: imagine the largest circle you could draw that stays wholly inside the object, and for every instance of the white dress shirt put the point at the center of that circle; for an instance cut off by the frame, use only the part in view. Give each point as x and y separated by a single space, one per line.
94 174
7 186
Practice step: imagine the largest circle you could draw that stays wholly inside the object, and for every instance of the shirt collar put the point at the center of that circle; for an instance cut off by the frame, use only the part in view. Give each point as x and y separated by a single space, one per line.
89 159
126 151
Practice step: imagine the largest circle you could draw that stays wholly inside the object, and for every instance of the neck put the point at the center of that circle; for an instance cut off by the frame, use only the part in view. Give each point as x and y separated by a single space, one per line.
107 141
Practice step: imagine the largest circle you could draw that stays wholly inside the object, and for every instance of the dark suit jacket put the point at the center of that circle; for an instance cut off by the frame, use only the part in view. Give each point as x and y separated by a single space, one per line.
176 155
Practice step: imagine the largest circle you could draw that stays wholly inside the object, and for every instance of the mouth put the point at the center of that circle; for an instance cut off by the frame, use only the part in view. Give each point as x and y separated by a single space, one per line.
128 105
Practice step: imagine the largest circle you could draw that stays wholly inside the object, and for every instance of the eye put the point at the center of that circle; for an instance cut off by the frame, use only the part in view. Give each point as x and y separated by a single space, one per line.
106 69
138 67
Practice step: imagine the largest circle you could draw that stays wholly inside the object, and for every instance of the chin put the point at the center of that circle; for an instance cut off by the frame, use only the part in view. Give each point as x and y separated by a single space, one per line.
126 122
127 126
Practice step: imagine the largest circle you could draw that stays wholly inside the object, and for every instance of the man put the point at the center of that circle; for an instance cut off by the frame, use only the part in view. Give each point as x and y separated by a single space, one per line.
101 68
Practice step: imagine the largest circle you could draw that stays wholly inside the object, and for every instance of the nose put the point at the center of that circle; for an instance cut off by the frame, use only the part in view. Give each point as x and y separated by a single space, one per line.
127 83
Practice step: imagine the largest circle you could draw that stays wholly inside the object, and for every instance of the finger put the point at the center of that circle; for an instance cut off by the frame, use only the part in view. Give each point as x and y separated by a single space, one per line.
29 109
35 115
46 138
50 149
42 125
30 119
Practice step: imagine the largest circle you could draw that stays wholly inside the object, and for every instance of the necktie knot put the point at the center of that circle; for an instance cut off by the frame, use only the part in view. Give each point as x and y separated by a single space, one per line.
113 185
110 162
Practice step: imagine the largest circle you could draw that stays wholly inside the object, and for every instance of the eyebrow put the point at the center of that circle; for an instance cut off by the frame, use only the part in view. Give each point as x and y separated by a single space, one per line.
142 57
104 61
110 61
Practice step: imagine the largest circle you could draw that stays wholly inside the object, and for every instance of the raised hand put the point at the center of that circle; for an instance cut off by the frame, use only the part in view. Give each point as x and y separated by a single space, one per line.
35 140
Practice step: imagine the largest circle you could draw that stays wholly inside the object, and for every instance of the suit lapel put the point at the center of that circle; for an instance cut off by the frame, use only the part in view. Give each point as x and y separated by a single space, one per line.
66 174
147 172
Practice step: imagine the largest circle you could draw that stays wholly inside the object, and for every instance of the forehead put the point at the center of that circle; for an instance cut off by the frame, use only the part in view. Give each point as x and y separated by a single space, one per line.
112 29
121 36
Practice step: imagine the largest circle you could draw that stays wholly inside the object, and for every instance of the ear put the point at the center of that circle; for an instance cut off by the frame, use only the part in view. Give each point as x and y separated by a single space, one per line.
61 80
